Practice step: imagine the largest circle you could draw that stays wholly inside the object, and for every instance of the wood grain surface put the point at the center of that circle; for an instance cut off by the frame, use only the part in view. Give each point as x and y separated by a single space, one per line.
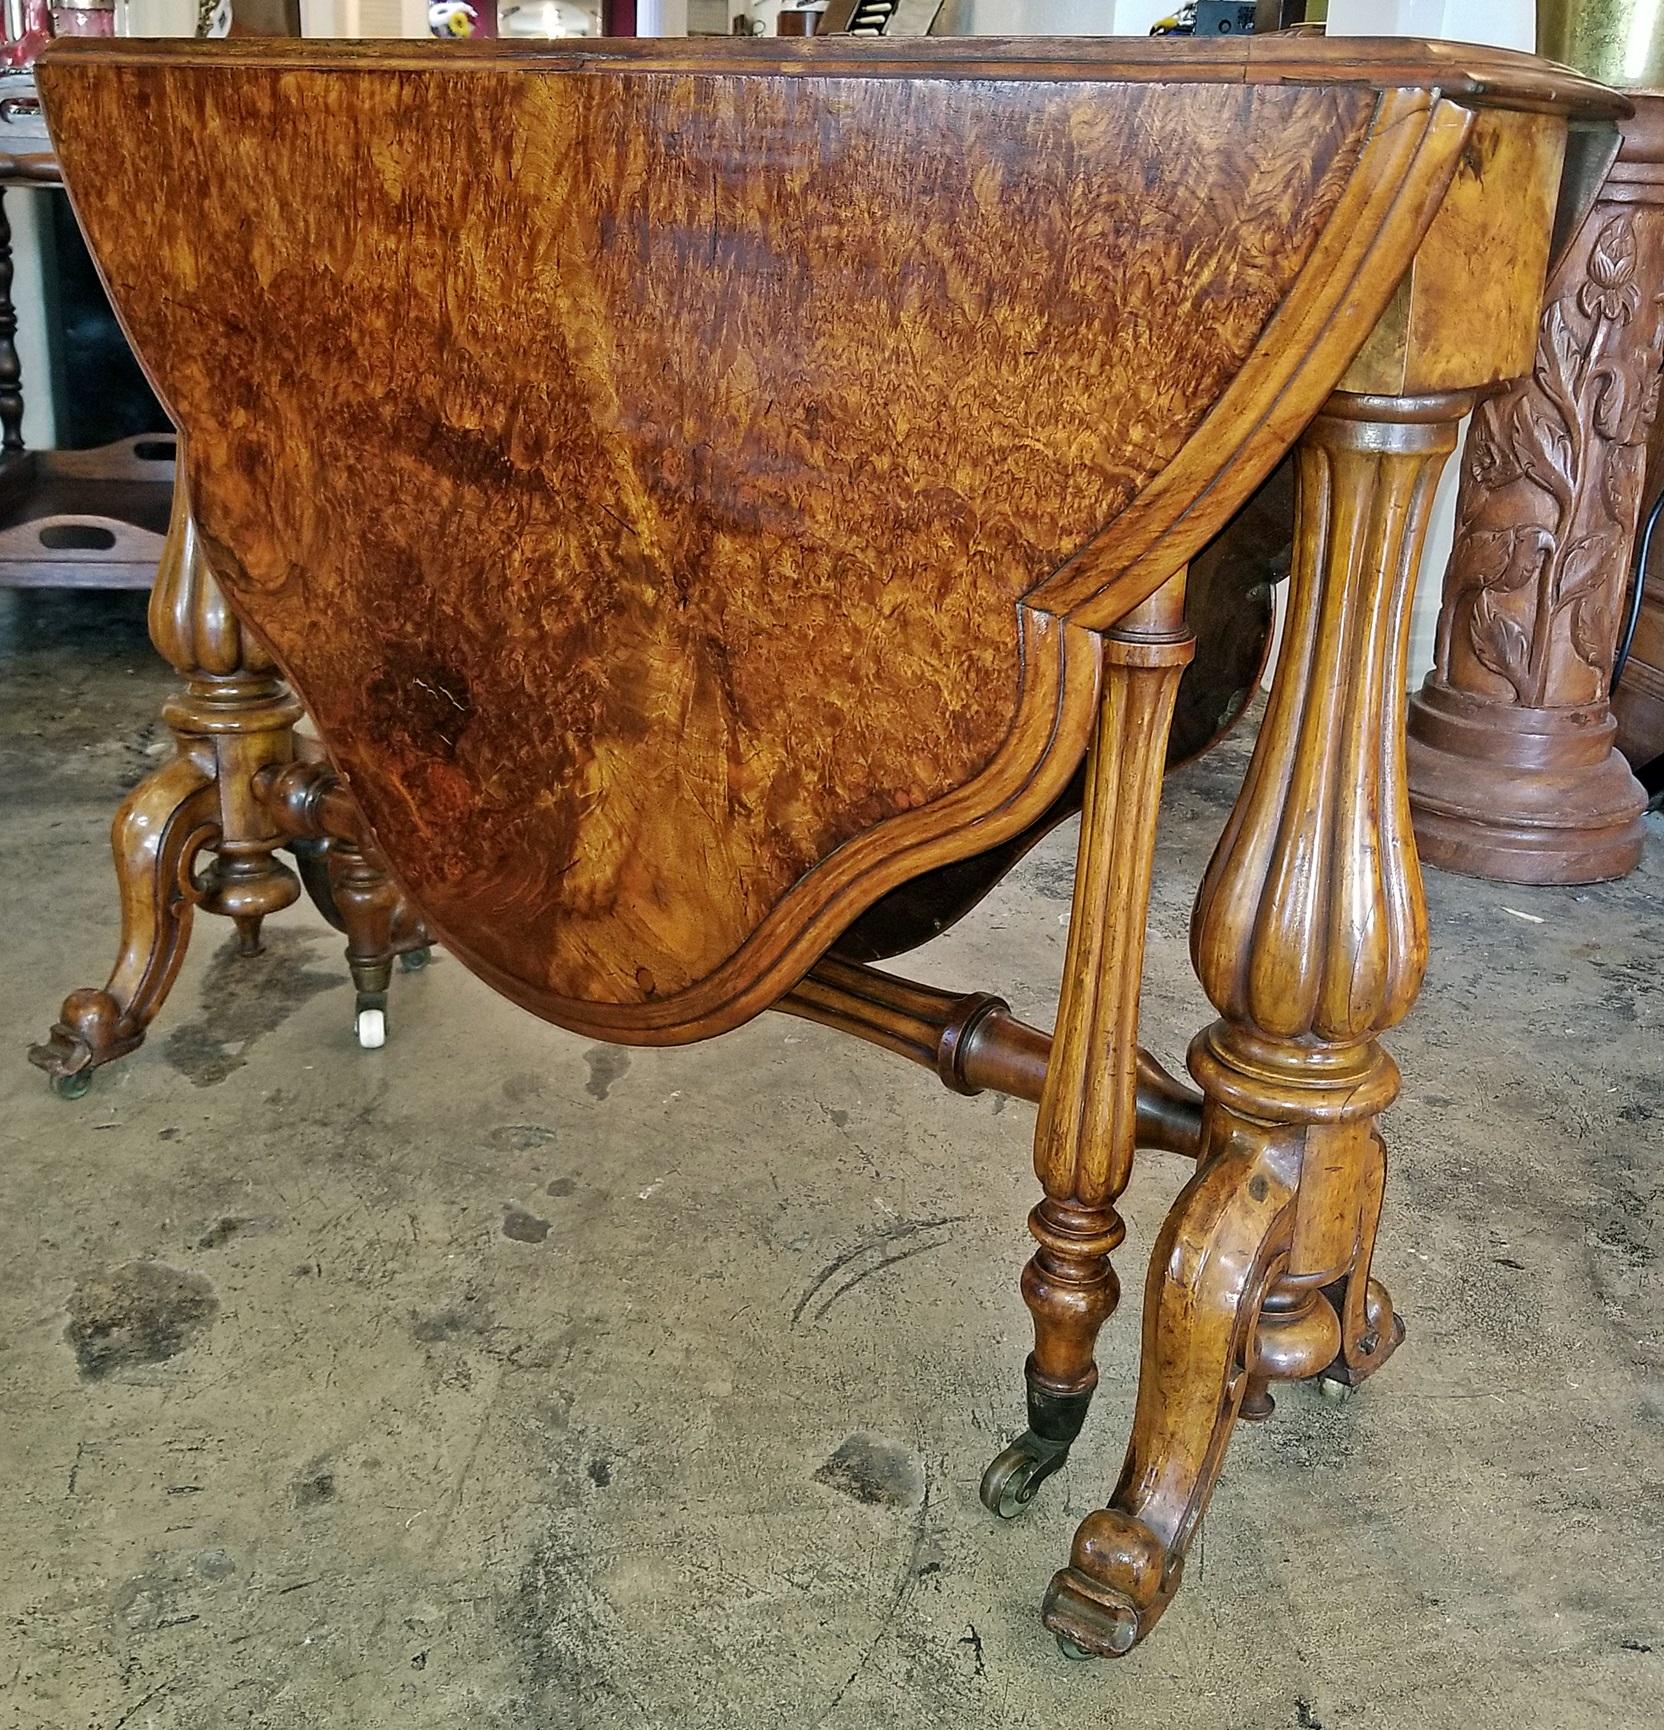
639 459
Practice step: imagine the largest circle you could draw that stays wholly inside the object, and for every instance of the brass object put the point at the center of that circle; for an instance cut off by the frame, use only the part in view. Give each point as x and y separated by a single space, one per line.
1617 41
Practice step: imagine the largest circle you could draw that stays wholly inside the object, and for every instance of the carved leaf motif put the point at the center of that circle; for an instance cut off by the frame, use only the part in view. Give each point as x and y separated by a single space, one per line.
1620 478
1586 564
1542 447
1607 413
1558 354
1649 399
1499 645
1592 633
1501 560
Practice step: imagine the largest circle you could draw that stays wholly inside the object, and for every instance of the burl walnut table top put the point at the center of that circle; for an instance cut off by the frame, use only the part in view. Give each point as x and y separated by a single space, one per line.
684 482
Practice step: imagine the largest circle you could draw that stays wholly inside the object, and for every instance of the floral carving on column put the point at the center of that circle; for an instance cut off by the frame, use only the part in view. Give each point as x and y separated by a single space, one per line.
1551 485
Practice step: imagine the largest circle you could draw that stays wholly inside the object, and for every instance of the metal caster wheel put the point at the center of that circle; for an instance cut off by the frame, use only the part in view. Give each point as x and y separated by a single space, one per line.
1075 1654
1333 1389
371 1027
414 960
73 1086
1017 1472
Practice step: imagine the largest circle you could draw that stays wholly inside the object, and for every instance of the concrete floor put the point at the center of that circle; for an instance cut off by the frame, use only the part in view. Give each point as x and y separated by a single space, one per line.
500 1380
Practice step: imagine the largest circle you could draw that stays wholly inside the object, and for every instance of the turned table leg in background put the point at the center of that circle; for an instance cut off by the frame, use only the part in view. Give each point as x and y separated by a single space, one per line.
11 369
1310 939
234 717
1086 1131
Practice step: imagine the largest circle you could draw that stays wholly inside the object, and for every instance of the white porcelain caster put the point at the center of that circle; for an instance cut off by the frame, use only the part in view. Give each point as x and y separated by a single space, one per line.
1333 1389
372 1028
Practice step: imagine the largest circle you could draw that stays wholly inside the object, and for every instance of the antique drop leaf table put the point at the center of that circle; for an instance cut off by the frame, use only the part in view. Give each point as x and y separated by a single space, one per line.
719 502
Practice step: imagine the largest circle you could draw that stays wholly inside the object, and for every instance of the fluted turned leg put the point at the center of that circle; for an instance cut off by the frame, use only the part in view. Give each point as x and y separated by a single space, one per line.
1310 939
234 717
1086 1131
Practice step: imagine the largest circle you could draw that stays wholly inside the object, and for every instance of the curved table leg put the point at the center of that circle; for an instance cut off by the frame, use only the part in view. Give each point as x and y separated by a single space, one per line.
234 717
1086 1131
1207 1275
1371 1330
162 828
1310 939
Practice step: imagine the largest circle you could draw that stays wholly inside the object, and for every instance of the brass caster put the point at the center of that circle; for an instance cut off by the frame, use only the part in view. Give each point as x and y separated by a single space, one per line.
1075 1654
1017 1472
414 960
72 1086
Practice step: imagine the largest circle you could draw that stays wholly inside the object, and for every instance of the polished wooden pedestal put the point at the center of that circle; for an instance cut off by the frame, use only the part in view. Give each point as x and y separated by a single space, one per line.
194 836
1514 767
681 657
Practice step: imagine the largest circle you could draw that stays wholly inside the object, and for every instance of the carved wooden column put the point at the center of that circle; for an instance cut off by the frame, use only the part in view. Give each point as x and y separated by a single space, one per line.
1514 773
1310 938
234 717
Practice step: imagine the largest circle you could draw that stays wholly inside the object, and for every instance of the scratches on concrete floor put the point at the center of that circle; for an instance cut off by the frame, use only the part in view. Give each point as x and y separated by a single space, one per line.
352 1453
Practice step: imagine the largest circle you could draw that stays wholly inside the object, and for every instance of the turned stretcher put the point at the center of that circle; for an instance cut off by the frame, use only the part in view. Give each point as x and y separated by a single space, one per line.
721 502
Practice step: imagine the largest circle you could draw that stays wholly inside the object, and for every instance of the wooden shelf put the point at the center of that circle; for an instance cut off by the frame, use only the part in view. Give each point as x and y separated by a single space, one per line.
86 519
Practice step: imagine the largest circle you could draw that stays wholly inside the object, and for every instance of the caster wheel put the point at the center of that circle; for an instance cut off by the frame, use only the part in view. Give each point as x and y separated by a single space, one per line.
1010 1483
371 1025
1333 1389
73 1086
1075 1654
414 960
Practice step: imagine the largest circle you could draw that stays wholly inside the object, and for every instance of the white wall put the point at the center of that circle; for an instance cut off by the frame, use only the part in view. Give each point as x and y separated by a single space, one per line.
1059 17
363 18
27 212
1030 17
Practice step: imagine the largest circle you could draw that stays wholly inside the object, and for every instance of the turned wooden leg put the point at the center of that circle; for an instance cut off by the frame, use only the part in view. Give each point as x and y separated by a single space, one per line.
234 717
1310 939
1086 1131
380 926
347 877
11 370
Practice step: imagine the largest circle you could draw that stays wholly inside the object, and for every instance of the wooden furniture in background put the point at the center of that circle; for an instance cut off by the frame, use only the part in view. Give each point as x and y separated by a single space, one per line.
118 518
1514 769
92 518
658 638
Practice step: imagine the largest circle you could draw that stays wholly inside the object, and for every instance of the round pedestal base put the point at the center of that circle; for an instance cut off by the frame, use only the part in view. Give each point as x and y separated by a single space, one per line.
1520 795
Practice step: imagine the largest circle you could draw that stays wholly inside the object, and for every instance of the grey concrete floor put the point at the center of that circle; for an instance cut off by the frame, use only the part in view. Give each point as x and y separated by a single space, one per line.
501 1380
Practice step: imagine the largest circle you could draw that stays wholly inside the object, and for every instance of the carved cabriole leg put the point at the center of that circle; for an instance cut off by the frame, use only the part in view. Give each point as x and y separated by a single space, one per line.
1087 1130
234 717
1310 939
